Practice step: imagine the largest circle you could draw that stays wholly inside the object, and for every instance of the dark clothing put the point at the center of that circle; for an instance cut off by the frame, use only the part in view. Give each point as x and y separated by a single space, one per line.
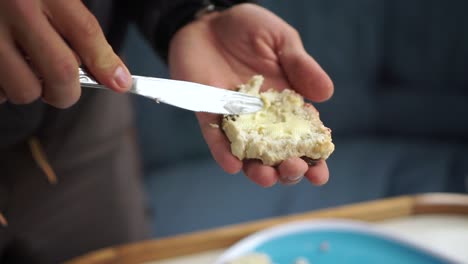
98 201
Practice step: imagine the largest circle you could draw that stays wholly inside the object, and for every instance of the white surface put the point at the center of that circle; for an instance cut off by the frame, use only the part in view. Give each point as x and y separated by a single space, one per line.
202 258
445 234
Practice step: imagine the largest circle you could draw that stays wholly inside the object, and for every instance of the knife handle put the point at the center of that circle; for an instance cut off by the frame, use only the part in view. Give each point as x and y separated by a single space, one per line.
88 81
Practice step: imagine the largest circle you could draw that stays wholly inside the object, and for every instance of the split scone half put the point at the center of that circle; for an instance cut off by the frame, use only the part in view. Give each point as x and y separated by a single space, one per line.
286 127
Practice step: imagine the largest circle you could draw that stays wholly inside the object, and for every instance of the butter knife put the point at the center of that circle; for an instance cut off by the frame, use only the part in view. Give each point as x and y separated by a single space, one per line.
187 95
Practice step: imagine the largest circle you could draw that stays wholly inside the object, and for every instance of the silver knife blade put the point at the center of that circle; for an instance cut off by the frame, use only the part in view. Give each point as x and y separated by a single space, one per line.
196 97
187 95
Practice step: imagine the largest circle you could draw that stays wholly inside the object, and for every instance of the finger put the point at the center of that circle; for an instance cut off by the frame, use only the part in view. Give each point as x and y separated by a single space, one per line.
18 83
74 21
303 72
49 55
77 58
265 176
217 143
292 170
318 174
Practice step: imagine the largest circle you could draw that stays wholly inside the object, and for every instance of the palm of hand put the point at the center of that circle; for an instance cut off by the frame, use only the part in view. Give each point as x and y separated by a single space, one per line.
227 49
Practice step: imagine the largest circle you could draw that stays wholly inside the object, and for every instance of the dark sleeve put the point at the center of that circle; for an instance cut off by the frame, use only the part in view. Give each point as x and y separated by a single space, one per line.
160 20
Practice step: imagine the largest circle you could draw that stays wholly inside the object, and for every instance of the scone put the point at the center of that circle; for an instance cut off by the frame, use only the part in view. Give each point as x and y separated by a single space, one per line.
286 127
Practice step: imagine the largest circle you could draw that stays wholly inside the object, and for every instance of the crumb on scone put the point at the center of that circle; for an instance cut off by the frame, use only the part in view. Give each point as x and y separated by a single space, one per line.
286 127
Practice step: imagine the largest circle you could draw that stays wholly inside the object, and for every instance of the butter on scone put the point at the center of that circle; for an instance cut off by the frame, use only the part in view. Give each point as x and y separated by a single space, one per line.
286 127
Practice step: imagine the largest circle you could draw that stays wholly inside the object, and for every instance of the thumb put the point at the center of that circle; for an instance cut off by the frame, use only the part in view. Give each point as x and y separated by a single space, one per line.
83 32
303 72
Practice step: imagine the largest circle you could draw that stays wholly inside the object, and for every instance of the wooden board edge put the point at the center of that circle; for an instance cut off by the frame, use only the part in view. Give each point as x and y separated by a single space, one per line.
441 203
152 250
226 236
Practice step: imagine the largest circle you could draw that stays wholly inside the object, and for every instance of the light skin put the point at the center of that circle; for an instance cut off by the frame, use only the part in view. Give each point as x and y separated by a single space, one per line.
40 31
231 46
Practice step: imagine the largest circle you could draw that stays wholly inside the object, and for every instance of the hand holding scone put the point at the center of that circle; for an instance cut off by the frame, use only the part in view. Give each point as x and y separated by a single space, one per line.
226 49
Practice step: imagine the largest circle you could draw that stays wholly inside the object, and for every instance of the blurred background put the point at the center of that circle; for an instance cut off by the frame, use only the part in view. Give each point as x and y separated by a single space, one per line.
399 116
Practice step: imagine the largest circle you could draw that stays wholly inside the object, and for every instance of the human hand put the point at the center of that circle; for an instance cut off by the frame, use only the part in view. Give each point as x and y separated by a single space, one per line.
225 49
54 35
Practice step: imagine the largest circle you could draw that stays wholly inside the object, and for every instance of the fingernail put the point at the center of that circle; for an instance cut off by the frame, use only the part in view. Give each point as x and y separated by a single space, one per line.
309 161
290 180
122 78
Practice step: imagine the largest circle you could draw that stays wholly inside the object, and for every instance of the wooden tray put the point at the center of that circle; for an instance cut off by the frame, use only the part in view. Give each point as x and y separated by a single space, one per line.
198 242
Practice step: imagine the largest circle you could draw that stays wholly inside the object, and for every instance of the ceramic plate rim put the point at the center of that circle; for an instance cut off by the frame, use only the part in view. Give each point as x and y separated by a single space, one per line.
250 242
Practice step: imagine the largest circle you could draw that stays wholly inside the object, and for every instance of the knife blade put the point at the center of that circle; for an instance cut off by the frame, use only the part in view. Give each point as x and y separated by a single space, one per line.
187 95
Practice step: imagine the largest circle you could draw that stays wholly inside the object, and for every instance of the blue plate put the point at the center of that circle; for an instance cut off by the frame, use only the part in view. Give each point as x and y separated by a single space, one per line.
332 241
